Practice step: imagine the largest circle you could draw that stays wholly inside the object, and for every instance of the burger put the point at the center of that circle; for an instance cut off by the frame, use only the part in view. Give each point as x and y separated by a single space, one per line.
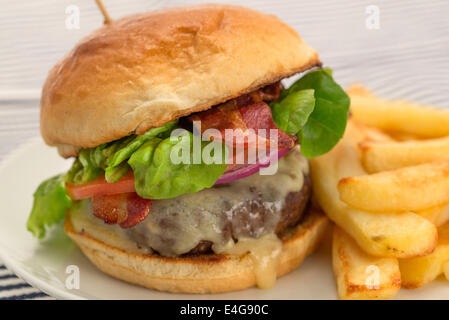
157 194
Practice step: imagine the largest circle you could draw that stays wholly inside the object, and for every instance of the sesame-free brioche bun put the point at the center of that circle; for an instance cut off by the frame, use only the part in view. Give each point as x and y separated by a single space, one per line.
147 69
212 273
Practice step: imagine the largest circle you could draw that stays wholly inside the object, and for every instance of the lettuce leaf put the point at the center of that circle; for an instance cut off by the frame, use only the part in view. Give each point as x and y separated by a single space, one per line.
327 123
50 204
88 170
113 174
157 176
127 150
291 113
109 158
321 129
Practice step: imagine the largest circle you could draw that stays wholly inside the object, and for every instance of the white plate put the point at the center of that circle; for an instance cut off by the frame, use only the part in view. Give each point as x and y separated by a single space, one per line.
43 264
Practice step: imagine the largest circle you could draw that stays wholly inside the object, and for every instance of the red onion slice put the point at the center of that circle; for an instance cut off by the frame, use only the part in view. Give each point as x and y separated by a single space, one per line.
251 169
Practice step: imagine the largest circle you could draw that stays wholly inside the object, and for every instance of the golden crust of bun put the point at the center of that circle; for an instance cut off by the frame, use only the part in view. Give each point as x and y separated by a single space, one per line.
203 273
147 69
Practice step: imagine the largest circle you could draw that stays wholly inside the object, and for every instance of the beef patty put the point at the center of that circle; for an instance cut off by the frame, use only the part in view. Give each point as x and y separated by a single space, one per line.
245 208
250 219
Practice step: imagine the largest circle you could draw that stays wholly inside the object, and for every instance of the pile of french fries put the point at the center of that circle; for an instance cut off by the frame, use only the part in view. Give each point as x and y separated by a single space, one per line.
386 188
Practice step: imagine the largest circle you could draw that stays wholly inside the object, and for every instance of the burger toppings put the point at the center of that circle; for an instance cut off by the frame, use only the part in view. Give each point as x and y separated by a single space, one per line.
100 186
162 165
209 220
50 205
258 116
245 112
239 119
248 170
111 158
125 209
318 130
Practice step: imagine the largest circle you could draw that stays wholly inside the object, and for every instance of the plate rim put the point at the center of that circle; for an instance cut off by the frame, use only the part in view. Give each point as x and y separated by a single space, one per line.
10 263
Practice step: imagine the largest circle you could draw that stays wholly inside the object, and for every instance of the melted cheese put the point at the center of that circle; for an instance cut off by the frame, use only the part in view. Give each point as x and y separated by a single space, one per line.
264 252
84 221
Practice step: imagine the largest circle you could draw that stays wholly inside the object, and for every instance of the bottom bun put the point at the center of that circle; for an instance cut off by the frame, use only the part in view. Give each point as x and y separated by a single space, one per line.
212 273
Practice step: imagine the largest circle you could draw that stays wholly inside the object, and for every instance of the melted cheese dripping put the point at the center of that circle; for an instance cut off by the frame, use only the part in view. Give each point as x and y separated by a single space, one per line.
265 254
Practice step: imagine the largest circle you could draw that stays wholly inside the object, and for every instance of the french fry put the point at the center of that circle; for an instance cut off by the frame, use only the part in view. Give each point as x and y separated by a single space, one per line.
359 275
379 234
370 134
446 270
410 188
398 116
401 136
443 217
357 132
383 156
438 215
417 272
408 164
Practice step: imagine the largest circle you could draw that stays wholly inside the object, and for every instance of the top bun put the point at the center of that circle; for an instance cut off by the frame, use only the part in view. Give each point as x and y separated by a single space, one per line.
144 70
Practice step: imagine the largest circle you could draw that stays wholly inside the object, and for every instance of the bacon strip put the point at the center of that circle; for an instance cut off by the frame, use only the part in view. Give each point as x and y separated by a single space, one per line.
267 93
222 117
258 116
245 112
125 209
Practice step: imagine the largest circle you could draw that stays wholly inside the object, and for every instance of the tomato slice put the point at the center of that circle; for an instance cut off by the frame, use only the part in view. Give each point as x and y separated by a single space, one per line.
100 186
